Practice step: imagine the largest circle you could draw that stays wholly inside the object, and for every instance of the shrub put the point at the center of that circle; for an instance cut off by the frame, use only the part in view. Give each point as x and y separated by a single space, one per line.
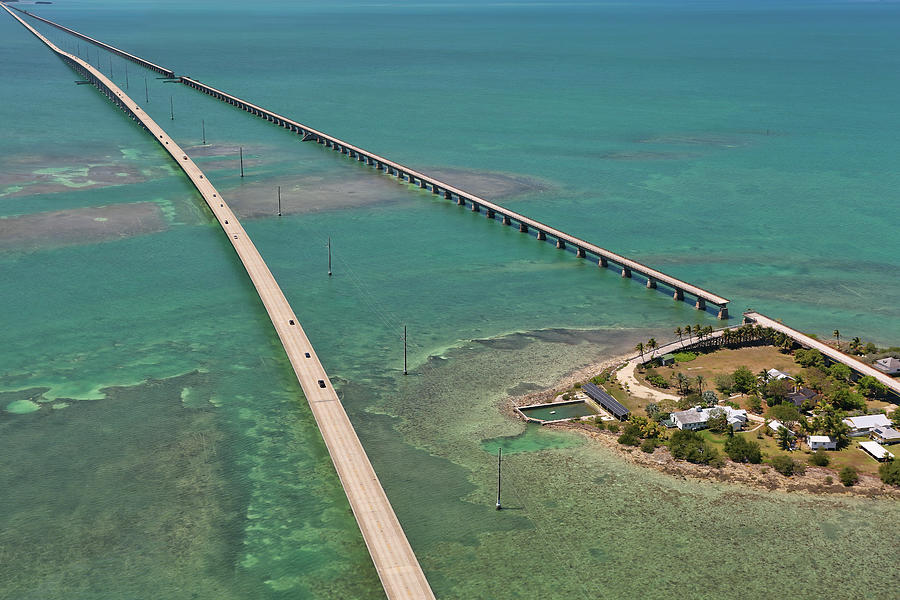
890 472
724 383
684 356
613 426
690 446
819 458
740 449
755 404
784 465
649 445
709 398
810 358
829 480
849 476
657 380
628 439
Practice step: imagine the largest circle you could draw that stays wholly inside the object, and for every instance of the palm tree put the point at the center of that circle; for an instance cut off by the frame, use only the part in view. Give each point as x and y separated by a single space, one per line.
678 333
652 345
700 383
687 332
640 348
855 344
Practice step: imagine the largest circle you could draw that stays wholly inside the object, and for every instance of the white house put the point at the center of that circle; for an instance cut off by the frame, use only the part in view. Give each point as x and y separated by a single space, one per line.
776 425
876 451
778 375
694 418
889 365
822 441
697 418
866 423
885 435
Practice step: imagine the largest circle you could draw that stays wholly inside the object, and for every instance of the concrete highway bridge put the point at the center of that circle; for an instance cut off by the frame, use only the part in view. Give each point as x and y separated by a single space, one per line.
702 299
396 564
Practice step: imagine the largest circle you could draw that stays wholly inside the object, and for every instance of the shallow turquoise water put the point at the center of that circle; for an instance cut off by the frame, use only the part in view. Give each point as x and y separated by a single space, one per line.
748 149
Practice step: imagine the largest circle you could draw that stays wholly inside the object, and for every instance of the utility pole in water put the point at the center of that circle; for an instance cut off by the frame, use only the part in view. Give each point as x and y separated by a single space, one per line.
279 214
203 130
172 107
499 460
404 349
242 160
126 76
329 256
146 91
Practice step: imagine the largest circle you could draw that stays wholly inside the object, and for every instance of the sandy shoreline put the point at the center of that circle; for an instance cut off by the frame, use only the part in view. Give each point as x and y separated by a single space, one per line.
761 477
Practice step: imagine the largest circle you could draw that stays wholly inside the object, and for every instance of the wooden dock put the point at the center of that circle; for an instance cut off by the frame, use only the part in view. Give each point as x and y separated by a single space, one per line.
396 564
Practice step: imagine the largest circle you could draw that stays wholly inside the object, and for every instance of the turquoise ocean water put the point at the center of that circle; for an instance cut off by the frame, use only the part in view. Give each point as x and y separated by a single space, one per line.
749 148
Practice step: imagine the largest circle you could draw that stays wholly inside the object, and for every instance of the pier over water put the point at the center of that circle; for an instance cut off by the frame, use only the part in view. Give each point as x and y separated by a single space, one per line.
396 564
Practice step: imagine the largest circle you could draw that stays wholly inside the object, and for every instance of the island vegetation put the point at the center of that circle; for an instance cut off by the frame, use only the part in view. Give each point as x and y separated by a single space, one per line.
766 403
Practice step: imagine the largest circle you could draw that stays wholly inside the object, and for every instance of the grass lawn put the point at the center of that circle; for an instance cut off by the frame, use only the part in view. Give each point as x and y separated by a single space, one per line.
726 360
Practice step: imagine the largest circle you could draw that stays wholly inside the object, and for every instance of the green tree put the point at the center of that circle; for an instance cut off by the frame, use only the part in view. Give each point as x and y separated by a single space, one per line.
784 465
776 391
724 383
690 446
870 387
640 348
849 476
700 381
840 371
845 399
785 438
718 421
649 445
744 380
890 472
709 398
810 358
652 345
819 458
678 332
833 425
786 412
652 410
740 449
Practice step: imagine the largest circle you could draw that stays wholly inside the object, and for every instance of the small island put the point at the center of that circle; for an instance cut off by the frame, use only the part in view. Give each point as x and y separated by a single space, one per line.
747 404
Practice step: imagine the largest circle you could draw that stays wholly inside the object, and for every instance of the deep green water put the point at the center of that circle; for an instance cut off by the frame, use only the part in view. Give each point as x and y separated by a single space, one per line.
748 148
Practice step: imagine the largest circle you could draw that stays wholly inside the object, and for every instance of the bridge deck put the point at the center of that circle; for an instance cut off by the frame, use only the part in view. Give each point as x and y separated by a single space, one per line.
397 566
436 184
835 355
136 59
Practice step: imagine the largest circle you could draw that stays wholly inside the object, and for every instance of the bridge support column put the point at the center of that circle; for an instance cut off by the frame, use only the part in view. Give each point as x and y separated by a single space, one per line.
602 263
523 227
723 313
626 272
490 214
700 304
476 207
422 184
579 253
651 283
541 236
460 201
560 244
448 195
435 190
506 220
678 295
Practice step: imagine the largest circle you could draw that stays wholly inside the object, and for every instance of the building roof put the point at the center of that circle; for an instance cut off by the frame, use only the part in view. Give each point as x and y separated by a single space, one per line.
693 415
887 433
776 374
876 450
889 364
821 439
868 421
776 425
605 400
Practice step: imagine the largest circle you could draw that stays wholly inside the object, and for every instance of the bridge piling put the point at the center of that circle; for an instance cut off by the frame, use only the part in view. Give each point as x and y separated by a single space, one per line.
541 236
651 284
626 272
